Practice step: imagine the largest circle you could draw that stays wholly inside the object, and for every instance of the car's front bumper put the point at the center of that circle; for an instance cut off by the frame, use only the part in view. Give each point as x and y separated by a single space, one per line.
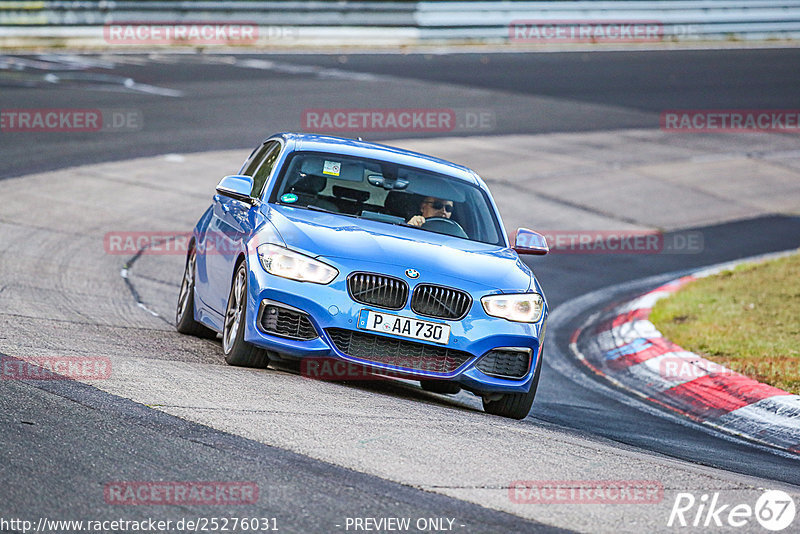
331 307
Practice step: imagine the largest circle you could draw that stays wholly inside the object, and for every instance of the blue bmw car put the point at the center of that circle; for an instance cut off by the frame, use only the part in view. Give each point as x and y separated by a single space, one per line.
325 247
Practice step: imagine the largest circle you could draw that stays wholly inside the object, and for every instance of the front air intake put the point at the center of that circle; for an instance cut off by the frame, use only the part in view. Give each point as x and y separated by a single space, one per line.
284 322
397 352
505 363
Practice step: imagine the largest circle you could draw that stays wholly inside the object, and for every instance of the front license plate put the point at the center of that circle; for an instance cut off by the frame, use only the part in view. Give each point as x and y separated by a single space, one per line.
404 326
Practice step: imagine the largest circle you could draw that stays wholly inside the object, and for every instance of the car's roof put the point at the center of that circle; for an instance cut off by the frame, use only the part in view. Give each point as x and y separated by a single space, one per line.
353 147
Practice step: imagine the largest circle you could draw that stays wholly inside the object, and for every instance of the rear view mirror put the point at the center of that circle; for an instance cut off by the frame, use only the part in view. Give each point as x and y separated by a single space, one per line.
237 187
387 183
530 242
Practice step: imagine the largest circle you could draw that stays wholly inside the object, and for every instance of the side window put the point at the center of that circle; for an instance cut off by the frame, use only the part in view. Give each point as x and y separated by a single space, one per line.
255 158
271 152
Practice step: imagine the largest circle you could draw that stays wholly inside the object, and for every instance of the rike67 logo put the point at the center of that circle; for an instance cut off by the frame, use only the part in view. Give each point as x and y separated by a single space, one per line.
774 510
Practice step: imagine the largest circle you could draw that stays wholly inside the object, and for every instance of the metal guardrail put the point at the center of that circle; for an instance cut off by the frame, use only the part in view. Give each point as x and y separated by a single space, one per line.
412 21
293 13
708 11
680 19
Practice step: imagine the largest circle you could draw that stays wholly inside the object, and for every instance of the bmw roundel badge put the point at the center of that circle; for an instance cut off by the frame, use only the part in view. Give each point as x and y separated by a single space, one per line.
412 273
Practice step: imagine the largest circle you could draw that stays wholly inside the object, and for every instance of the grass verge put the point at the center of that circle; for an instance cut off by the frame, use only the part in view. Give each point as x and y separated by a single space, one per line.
747 319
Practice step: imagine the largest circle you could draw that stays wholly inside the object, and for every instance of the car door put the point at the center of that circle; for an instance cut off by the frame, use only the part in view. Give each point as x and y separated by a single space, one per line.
229 230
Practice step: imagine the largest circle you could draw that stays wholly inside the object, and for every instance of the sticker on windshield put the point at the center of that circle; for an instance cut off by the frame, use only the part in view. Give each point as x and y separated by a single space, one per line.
332 168
289 198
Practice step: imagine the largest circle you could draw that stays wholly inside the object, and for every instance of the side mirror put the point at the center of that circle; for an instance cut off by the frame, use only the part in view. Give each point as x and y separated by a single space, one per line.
530 242
237 187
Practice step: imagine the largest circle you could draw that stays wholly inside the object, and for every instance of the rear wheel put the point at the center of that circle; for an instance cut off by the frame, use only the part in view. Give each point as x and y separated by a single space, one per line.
237 350
184 313
444 387
515 405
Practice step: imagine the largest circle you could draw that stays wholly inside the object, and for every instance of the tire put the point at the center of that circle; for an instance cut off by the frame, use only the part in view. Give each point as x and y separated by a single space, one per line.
445 387
237 350
184 312
515 405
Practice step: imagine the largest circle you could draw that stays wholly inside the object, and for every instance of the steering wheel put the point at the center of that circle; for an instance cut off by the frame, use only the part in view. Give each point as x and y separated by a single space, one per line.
443 225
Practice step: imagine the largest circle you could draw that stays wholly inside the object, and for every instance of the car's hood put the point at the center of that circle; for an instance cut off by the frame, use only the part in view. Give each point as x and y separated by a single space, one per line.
337 236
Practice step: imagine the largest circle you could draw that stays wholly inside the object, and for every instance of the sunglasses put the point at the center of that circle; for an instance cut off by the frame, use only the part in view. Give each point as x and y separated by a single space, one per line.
438 204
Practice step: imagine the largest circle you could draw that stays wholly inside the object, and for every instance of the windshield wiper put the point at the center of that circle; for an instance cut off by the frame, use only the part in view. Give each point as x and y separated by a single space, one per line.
317 208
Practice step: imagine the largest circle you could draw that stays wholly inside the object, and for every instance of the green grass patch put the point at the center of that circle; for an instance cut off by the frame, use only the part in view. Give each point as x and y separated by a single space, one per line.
747 319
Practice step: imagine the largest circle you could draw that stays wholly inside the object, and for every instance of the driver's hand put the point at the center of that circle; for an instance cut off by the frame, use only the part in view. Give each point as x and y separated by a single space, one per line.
416 220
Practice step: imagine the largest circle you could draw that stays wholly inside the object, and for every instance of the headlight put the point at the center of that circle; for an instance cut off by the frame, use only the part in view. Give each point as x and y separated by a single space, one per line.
285 263
521 308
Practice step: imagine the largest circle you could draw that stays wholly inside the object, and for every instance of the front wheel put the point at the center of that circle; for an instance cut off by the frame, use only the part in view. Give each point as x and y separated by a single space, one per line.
515 405
237 350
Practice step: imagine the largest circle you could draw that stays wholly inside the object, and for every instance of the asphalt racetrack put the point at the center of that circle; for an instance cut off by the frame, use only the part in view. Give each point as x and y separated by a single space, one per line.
565 141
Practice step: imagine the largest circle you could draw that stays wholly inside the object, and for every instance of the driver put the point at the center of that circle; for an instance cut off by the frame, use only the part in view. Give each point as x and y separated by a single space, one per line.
432 207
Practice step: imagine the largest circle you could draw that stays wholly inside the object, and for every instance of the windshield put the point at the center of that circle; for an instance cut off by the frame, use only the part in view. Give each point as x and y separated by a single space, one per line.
387 192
